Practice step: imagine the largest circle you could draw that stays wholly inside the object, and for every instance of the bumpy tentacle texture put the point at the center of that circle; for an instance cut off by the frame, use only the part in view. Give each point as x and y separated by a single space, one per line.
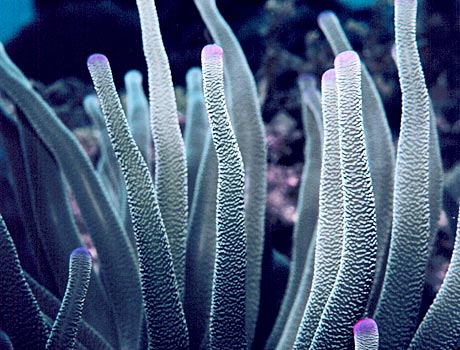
138 113
201 245
330 223
202 190
170 163
20 315
50 305
227 324
64 332
307 206
244 110
436 171
366 335
440 328
399 304
117 258
164 314
348 299
379 147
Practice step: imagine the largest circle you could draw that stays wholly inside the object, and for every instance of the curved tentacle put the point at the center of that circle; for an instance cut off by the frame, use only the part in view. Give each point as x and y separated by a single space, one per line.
227 323
170 167
166 325
64 331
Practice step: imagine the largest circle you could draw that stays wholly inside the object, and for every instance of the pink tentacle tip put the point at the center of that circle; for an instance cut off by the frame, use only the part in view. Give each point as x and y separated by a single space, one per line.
81 252
329 76
97 58
211 52
365 326
346 58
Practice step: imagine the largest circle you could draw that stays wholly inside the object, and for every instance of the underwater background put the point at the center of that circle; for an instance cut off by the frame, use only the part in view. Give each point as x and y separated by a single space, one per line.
50 42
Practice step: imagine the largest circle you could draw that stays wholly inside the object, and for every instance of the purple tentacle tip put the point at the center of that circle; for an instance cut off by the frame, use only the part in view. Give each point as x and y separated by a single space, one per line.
81 252
329 76
365 326
97 58
211 52
346 59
